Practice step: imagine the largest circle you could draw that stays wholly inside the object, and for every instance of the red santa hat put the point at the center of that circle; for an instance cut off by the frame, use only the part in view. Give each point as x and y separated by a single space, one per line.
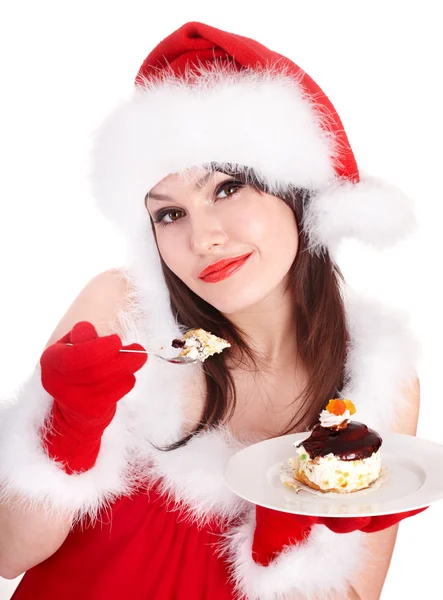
207 96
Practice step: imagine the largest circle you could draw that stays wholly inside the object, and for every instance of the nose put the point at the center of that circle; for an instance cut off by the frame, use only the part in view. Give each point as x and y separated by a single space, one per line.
207 233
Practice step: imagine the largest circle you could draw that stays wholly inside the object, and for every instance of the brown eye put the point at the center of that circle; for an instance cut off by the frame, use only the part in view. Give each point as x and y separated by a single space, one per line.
174 215
167 217
228 188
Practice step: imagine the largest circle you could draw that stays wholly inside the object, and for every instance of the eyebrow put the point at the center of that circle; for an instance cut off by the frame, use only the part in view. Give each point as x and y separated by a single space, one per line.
164 198
160 197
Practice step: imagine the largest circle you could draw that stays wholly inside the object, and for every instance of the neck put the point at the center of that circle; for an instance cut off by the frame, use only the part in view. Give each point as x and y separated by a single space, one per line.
269 327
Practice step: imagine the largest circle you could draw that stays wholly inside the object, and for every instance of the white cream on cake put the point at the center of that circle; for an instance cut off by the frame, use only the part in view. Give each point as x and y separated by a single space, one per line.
328 419
330 473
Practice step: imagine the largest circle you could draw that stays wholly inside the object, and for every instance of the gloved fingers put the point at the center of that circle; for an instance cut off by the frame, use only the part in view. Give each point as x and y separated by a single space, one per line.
105 372
64 359
274 519
95 405
345 524
385 521
83 332
139 358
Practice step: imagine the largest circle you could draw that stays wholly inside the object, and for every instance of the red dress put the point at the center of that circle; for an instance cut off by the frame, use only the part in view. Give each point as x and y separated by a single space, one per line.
139 549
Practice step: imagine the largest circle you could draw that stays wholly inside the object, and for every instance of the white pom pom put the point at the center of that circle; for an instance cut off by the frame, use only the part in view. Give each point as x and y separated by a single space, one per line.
373 211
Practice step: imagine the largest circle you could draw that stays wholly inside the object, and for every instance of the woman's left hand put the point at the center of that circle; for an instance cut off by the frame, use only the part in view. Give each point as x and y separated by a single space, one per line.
274 529
366 524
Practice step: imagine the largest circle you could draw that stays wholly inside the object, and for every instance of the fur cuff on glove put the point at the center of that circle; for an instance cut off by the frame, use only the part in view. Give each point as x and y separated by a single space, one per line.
27 472
322 564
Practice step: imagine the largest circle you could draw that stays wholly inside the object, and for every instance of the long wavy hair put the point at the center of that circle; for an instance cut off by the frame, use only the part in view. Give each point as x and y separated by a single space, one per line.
315 283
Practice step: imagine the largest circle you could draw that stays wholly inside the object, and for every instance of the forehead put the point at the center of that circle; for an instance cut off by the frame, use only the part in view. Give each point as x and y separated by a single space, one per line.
194 177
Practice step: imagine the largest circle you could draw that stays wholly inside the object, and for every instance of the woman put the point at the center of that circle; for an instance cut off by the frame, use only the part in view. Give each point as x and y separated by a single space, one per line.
227 152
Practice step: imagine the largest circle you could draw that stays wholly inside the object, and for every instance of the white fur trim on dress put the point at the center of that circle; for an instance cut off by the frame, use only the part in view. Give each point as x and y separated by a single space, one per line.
263 120
320 567
382 358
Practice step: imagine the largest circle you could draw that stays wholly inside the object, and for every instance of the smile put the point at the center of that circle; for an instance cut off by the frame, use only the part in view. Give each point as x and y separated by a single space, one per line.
223 269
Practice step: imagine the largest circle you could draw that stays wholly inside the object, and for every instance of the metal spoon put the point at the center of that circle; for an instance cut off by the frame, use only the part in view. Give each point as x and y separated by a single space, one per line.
175 360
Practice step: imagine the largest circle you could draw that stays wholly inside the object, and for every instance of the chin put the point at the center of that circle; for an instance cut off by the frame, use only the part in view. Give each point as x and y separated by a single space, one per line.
233 302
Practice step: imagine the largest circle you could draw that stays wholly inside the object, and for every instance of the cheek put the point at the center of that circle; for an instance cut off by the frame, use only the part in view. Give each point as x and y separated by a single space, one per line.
270 226
285 237
167 247
281 251
248 222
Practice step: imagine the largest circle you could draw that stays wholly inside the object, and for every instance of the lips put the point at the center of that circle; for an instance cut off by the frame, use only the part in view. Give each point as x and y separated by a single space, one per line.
224 265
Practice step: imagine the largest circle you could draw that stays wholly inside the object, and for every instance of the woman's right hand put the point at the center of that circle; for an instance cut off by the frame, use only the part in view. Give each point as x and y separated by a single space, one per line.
86 380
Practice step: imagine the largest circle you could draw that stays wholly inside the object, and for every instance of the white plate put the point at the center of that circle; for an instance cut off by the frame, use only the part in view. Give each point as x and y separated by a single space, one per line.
415 479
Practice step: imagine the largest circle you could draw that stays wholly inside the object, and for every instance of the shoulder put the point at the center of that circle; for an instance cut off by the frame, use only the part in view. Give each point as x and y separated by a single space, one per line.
104 293
98 302
111 285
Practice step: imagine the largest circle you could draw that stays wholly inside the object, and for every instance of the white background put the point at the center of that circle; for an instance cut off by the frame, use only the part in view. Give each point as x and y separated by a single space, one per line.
63 66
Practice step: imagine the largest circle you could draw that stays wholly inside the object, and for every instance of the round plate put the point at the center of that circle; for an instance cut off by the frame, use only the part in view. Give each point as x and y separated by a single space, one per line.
415 479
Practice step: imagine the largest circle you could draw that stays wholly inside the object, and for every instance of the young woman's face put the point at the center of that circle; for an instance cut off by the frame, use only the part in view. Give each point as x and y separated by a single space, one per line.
204 218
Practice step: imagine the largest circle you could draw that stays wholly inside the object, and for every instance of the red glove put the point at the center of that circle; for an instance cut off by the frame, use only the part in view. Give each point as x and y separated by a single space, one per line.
86 381
274 529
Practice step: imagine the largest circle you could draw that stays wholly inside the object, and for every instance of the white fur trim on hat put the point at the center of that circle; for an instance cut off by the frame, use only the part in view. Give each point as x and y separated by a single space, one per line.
375 212
257 119
263 120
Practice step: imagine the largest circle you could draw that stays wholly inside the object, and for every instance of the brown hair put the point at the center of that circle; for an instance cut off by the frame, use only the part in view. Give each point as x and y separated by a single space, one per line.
314 281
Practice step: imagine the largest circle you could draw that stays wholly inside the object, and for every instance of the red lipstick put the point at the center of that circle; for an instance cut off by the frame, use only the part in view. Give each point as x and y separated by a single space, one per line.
223 268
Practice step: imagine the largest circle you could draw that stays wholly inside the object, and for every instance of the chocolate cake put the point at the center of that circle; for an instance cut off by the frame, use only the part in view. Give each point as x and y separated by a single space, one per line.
340 455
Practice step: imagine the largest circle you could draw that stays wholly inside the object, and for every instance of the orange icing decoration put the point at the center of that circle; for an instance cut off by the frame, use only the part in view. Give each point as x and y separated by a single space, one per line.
336 407
350 406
